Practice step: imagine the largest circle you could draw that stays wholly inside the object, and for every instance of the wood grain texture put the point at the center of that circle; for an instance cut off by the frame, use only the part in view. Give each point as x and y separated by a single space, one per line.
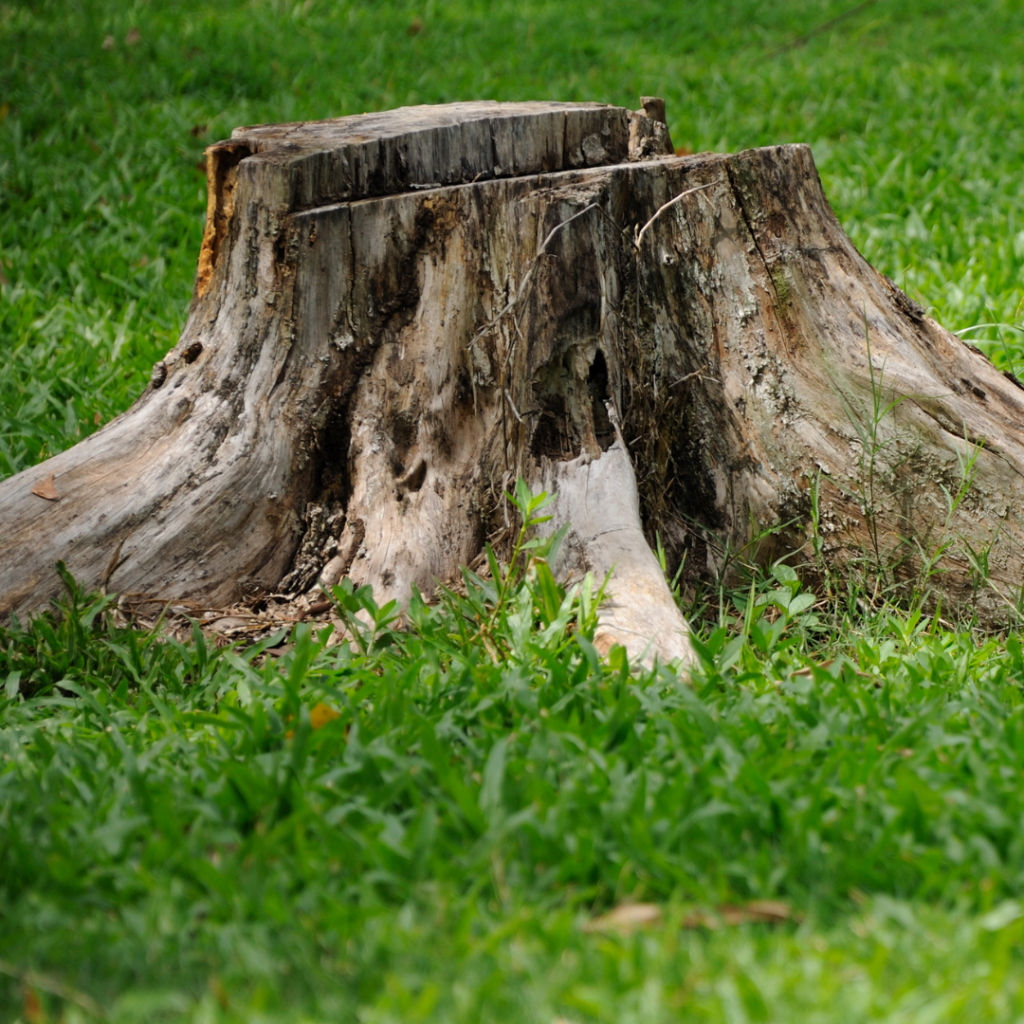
398 314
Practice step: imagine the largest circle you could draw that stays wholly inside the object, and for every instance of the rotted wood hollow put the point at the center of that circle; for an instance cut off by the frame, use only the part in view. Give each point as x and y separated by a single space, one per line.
397 314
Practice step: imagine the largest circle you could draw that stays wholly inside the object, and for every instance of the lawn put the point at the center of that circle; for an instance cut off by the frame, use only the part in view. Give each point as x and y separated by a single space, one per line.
825 826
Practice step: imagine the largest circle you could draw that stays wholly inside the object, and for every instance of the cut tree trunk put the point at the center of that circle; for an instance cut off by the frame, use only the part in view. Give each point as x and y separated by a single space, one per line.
396 315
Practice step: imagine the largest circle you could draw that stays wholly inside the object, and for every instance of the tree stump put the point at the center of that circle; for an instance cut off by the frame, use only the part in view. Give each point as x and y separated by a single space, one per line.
395 315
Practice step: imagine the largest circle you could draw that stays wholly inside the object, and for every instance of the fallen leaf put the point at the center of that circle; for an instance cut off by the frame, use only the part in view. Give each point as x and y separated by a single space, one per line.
754 912
227 622
134 36
415 27
44 489
702 919
32 1006
320 715
757 911
197 130
626 919
108 42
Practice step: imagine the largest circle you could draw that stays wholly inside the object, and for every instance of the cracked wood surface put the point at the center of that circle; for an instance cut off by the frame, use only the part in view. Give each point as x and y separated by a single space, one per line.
394 317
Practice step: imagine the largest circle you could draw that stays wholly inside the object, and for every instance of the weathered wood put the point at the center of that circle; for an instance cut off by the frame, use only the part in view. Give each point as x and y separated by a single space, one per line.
397 314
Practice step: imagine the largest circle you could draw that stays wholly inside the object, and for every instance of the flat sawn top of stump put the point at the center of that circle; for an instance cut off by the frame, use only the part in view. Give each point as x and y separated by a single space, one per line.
394 151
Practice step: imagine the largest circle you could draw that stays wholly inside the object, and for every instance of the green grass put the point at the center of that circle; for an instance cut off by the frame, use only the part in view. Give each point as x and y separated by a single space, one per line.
170 852
172 821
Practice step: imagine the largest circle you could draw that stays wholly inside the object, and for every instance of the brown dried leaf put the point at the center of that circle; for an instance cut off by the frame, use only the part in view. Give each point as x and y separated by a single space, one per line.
108 42
754 912
626 919
134 36
701 919
32 1006
231 622
757 911
321 714
44 489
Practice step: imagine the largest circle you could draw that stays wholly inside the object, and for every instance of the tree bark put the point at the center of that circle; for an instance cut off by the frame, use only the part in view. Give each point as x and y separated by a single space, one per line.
395 315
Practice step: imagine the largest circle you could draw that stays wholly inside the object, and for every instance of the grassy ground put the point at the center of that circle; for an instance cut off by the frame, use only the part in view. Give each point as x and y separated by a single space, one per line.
190 835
